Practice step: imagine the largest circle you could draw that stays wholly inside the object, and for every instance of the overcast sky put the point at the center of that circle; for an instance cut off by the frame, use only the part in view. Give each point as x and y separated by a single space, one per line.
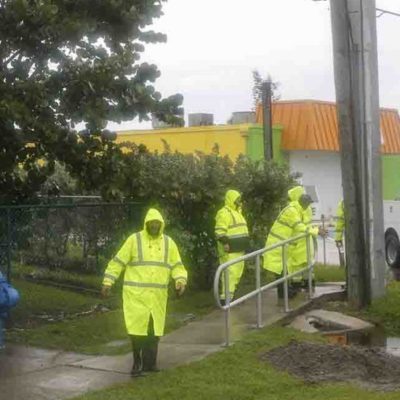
213 46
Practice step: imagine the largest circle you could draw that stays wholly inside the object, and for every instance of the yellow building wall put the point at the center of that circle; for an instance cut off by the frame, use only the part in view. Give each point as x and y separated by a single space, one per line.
230 138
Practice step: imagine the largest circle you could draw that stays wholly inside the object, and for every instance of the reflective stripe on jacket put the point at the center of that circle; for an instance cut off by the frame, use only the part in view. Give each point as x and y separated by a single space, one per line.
298 251
297 257
230 222
288 224
148 264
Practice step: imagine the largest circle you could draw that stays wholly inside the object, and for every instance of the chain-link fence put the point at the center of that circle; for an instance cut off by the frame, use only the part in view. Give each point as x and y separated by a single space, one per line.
70 243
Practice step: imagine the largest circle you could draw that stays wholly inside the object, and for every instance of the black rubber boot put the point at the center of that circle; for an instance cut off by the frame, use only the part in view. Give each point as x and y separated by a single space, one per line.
150 356
281 291
279 287
305 284
292 291
137 368
297 285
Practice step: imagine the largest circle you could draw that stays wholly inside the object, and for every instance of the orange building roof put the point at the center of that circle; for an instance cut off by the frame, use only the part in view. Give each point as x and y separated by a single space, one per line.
312 125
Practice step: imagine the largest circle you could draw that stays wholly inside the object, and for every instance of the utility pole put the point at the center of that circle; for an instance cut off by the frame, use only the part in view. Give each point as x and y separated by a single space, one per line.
357 93
267 119
371 146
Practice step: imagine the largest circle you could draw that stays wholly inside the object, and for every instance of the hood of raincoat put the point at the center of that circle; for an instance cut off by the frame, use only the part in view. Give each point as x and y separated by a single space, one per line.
154 215
230 197
296 192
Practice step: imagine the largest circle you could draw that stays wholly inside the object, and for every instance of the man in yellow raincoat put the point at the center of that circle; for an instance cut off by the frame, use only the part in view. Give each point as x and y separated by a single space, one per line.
148 260
297 255
340 223
339 228
232 236
288 224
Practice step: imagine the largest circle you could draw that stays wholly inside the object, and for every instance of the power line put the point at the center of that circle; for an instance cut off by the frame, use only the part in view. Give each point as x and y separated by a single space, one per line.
382 12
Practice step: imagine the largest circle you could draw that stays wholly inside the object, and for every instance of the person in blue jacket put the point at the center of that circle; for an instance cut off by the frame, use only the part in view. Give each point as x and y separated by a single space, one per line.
8 298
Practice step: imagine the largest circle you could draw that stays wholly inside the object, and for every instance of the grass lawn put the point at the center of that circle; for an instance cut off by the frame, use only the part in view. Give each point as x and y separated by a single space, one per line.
39 299
236 374
386 311
58 275
322 274
329 273
88 334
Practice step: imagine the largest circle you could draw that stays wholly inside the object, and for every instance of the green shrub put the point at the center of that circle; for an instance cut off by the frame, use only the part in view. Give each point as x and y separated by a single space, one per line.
190 188
386 310
187 188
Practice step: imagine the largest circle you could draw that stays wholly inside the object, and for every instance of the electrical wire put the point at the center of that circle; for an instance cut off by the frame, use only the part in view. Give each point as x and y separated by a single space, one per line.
383 12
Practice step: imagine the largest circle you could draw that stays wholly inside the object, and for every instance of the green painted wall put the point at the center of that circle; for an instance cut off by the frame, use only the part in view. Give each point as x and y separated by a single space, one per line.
255 144
255 151
391 176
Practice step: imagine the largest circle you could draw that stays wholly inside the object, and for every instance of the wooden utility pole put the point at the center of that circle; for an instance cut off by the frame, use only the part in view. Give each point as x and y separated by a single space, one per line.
357 94
371 146
267 119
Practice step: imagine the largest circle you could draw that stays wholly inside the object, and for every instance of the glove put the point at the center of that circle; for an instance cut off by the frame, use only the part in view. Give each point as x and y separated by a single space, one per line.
322 232
225 243
105 291
180 288
339 243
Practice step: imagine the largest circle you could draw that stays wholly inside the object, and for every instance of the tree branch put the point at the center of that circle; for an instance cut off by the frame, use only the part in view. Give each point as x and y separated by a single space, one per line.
12 57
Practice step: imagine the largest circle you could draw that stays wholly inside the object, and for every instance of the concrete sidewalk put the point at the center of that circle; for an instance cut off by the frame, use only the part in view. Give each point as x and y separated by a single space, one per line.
35 374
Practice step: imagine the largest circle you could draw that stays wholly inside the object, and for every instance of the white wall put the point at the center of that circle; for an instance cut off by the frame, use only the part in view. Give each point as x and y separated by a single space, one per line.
321 169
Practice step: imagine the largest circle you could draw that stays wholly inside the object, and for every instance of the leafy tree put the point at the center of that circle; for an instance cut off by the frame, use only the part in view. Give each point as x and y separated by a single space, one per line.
69 63
60 183
258 82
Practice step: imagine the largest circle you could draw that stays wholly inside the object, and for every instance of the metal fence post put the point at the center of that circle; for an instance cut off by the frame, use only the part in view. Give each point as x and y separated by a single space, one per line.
96 239
46 239
259 294
310 267
9 241
228 308
285 283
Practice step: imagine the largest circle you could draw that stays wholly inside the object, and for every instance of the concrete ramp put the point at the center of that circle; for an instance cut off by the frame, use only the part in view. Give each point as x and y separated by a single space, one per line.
36 374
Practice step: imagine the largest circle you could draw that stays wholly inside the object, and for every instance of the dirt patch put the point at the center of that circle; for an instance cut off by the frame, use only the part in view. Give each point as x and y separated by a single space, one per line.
368 367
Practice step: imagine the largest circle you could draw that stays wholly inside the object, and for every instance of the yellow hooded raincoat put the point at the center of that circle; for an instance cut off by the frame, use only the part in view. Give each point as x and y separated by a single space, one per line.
297 258
289 223
147 264
231 224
